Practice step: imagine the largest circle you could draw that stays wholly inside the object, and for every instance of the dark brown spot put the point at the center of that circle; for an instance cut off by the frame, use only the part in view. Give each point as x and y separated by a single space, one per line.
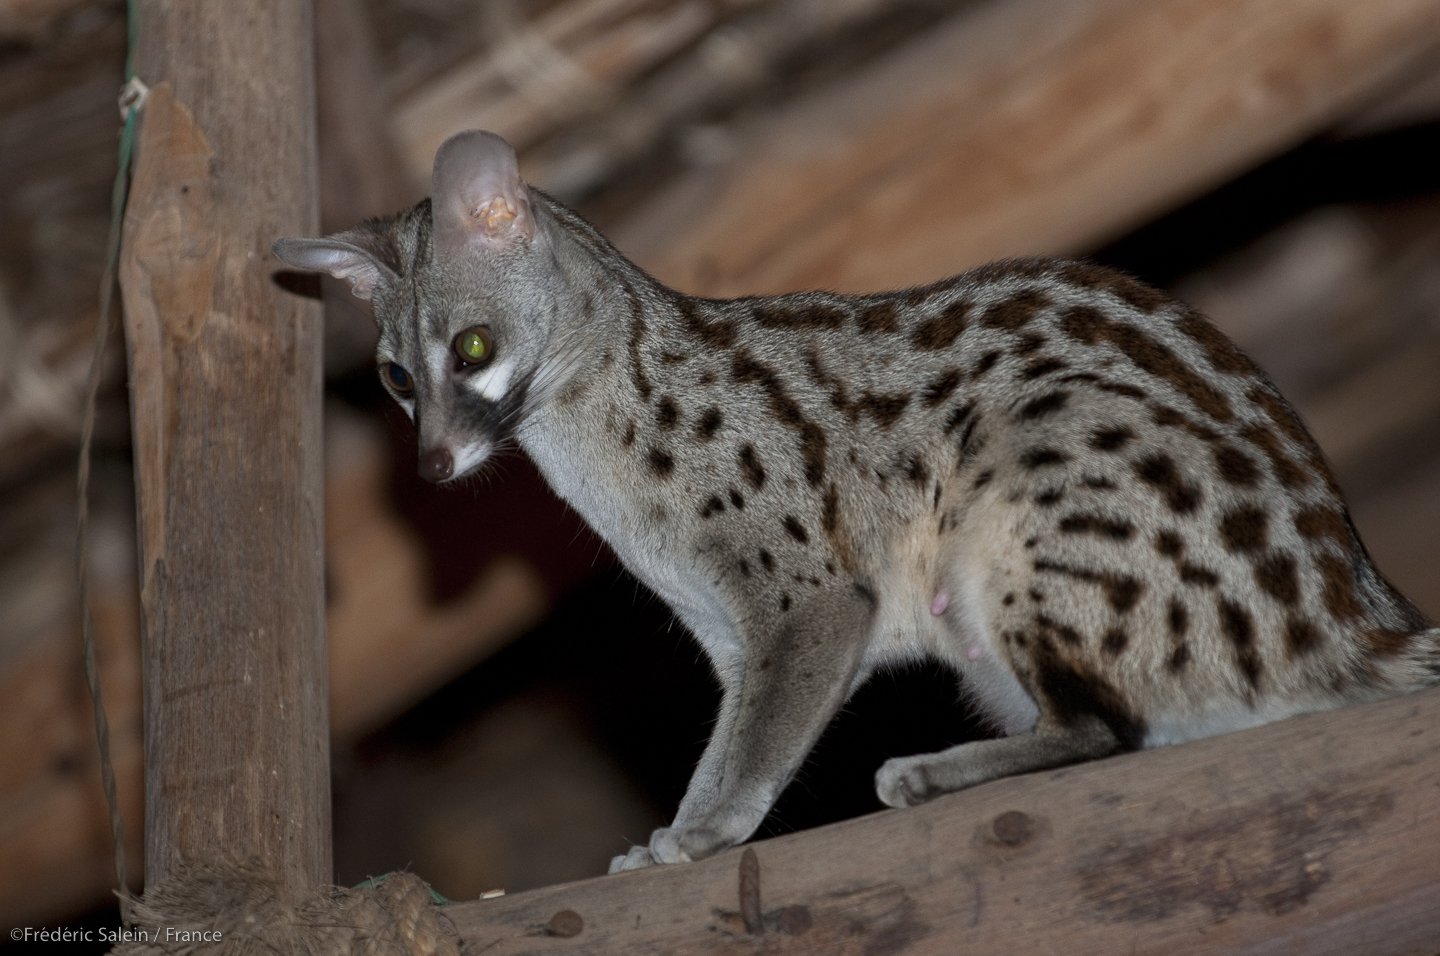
1045 405
1338 587
746 369
1245 529
1282 415
1178 618
737 500
709 423
915 471
1112 528
1072 695
1041 366
1169 417
751 468
1015 312
1169 544
1028 343
1279 576
638 332
1301 637
959 416
1318 522
940 331
1385 642
628 438
1114 642
1131 291
1235 466
1237 624
966 436
942 387
1202 577
879 318
885 409
797 315
985 364
1121 590
812 452
1219 350
1123 388
1062 632
984 478
795 529
1050 497
1282 466
667 413
784 602
1043 457
1179 658
661 462
1091 326
767 561
1160 472
713 506
718 333
1111 438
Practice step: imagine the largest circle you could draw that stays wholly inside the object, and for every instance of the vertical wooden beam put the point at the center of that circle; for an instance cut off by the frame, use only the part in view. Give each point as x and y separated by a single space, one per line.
226 380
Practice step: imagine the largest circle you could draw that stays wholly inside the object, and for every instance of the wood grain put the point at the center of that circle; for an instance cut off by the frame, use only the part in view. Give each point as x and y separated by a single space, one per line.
1104 113
225 376
1314 835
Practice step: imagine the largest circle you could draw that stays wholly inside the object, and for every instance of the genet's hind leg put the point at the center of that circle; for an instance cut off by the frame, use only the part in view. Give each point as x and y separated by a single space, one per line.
907 781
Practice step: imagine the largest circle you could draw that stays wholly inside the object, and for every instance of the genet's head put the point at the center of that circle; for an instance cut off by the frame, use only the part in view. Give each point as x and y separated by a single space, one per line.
465 289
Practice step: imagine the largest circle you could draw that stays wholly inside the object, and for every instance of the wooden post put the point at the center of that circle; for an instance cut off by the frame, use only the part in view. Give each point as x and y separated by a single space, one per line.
225 376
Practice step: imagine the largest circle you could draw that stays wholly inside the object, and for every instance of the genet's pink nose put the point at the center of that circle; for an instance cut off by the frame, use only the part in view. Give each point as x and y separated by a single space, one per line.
437 464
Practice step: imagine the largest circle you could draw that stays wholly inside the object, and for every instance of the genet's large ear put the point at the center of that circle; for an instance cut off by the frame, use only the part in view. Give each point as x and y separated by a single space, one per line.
477 197
344 256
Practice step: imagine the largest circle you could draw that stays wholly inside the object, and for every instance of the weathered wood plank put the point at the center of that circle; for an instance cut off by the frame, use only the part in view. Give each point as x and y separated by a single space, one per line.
1315 835
225 375
1051 128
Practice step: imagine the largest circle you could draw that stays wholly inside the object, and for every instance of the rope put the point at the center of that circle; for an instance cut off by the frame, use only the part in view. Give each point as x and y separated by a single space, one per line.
130 102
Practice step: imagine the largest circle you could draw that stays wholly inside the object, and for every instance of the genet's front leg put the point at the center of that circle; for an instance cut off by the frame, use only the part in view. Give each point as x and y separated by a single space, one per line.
779 692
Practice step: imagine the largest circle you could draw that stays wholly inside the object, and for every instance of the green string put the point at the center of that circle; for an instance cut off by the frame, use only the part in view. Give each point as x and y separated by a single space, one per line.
436 898
118 197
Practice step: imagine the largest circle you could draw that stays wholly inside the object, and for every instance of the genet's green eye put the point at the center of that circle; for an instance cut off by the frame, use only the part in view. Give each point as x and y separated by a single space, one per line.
397 378
474 346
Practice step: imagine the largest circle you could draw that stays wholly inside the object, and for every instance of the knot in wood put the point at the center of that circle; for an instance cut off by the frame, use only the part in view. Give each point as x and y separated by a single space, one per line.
565 924
1013 828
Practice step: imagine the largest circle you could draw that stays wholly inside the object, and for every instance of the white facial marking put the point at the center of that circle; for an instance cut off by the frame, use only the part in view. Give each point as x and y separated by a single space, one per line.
493 382
470 457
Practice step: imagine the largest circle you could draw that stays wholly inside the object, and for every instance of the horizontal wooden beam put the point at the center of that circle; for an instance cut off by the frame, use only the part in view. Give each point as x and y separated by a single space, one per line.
1051 128
1314 835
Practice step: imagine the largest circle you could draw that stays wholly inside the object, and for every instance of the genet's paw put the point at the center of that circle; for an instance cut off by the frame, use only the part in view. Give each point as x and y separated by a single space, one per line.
673 845
686 844
904 782
639 856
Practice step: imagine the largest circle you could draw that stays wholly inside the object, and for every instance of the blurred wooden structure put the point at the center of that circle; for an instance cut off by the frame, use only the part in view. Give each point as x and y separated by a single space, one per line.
1229 845
734 145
